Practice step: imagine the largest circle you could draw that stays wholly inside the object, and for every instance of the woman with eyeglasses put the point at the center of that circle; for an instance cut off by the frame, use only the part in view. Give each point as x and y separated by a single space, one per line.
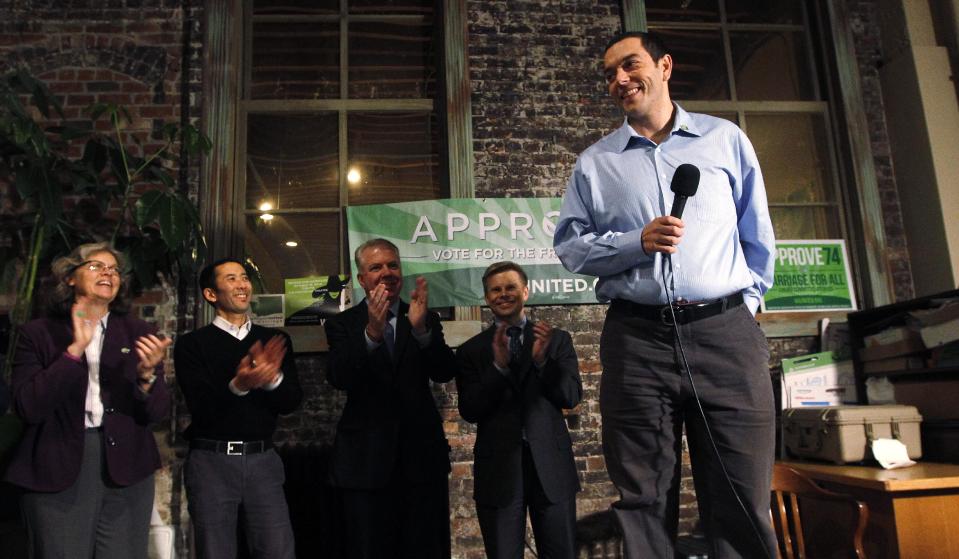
88 383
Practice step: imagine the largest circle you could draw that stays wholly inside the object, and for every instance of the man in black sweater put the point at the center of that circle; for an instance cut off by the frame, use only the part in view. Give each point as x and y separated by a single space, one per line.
237 377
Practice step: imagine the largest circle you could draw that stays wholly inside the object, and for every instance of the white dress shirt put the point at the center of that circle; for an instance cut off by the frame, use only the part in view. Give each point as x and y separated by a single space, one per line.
94 405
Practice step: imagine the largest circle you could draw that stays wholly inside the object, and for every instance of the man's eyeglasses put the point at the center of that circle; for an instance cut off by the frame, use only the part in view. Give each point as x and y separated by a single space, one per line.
97 267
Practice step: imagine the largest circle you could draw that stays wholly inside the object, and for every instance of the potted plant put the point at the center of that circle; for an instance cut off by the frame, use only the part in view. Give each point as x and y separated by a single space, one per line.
67 182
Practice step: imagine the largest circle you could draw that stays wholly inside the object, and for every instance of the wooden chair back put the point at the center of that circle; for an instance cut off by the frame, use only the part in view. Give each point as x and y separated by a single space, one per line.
787 488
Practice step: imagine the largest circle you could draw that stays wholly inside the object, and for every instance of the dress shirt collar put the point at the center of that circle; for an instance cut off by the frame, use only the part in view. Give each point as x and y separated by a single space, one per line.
625 137
522 323
238 332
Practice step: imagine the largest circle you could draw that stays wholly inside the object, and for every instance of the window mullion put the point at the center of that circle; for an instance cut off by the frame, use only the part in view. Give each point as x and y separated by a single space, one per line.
727 52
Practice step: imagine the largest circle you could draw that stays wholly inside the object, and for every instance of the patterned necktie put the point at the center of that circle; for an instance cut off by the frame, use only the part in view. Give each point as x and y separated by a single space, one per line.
515 345
388 333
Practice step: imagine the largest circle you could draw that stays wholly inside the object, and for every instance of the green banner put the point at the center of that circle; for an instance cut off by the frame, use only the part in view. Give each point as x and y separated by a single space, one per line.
451 242
811 276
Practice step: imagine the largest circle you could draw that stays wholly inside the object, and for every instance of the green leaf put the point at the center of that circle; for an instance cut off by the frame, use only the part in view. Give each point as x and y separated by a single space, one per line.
151 245
194 141
49 194
169 130
156 172
144 268
148 208
192 212
117 167
126 114
74 132
26 179
172 222
95 155
41 99
97 110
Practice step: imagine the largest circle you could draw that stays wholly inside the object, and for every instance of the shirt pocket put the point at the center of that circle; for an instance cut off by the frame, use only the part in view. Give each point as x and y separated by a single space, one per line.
713 202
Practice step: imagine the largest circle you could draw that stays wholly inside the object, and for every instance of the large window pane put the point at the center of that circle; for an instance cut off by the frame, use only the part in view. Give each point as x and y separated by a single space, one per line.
392 60
675 10
792 150
764 11
296 7
771 66
393 158
295 60
292 161
699 66
805 223
270 244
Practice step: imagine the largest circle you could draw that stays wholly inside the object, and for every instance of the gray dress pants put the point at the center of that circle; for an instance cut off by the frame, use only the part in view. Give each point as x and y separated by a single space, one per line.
219 485
93 518
645 399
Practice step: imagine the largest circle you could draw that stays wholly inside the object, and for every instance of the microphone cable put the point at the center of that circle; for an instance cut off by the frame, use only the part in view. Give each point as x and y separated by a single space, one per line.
702 412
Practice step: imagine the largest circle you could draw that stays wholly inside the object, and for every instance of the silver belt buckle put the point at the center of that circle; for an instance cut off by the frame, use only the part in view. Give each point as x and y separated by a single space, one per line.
231 444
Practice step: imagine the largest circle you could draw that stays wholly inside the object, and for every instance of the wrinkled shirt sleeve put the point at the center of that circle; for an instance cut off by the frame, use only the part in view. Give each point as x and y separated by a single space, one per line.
584 250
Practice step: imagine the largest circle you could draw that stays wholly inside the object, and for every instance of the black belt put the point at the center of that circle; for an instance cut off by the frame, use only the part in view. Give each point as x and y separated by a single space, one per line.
233 448
685 312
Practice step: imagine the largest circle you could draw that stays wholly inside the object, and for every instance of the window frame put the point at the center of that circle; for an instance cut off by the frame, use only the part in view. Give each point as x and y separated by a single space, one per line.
342 107
222 203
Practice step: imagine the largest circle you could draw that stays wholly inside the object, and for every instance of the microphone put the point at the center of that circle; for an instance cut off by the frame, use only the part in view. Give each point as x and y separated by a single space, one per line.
685 183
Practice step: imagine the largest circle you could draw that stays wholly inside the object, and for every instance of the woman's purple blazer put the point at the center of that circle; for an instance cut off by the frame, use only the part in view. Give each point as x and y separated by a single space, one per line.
49 392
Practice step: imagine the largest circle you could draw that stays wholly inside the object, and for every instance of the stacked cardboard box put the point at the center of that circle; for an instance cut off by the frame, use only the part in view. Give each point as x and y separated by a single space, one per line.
926 338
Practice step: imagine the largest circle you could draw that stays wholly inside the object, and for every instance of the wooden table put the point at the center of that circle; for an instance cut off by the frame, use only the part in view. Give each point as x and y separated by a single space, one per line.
913 511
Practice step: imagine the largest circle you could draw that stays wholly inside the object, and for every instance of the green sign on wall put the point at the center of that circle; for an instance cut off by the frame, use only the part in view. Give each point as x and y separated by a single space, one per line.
811 276
451 242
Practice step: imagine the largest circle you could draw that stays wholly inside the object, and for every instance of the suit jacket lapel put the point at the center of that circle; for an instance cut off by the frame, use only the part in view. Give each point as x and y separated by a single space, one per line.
114 338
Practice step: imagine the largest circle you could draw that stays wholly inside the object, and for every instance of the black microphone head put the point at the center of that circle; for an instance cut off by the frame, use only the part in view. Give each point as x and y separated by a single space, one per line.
685 180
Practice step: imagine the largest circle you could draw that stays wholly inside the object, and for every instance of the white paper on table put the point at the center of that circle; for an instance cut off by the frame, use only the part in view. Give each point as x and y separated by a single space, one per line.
891 453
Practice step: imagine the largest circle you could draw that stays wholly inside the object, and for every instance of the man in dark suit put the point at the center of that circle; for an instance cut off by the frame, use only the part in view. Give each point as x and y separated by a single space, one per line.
516 378
390 455
237 378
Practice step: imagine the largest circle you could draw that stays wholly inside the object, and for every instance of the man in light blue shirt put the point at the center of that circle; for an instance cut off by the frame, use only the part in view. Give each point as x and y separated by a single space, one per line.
615 225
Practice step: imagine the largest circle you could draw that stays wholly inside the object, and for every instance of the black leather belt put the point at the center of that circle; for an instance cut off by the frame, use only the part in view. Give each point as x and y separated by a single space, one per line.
685 312
232 448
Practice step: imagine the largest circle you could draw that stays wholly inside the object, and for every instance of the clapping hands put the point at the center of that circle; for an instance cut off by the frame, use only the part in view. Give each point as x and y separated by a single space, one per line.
261 365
